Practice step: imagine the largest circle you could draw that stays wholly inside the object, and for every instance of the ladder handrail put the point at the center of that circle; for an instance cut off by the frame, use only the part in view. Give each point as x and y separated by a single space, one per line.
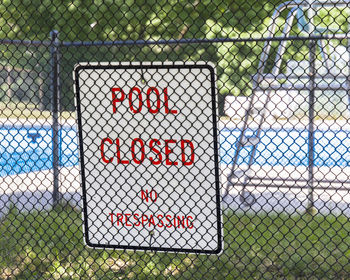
294 5
282 46
271 32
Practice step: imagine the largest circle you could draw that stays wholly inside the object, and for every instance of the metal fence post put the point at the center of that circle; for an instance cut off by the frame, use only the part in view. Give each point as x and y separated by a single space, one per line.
54 84
311 128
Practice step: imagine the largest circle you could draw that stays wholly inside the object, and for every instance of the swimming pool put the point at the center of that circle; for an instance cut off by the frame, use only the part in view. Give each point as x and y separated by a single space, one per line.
290 147
27 149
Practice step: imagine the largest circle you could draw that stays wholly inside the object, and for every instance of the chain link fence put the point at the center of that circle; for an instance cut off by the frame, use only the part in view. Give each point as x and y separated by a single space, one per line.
174 139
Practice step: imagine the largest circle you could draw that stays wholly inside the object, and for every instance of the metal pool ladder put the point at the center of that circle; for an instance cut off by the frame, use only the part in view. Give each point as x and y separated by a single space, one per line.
264 84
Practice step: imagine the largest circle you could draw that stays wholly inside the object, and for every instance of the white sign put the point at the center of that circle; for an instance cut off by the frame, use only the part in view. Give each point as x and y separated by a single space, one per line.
149 156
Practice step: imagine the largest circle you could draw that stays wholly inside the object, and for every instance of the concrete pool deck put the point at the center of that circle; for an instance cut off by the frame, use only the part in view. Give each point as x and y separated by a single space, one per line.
35 122
272 192
292 123
34 190
229 123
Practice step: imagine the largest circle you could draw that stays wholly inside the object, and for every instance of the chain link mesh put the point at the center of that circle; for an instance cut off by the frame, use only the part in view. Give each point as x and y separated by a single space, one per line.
228 121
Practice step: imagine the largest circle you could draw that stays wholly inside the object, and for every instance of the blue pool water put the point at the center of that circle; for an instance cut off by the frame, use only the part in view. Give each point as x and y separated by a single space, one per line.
290 147
28 149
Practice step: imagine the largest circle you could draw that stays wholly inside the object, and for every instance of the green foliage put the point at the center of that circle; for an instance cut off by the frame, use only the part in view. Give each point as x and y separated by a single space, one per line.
78 20
49 245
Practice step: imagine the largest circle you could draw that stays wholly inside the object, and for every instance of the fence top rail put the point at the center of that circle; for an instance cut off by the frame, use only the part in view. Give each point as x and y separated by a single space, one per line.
174 41
338 36
25 42
204 40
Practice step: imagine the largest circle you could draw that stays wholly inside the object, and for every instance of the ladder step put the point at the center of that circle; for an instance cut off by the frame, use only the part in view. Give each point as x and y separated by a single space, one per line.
254 111
239 173
250 141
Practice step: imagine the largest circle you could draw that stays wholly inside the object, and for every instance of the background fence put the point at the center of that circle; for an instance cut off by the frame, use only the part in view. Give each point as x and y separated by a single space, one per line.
283 132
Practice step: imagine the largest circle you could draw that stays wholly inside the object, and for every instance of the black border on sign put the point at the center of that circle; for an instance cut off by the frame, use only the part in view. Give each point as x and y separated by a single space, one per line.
219 249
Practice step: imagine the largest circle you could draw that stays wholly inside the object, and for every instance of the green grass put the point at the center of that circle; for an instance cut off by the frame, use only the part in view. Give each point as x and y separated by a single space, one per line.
49 245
